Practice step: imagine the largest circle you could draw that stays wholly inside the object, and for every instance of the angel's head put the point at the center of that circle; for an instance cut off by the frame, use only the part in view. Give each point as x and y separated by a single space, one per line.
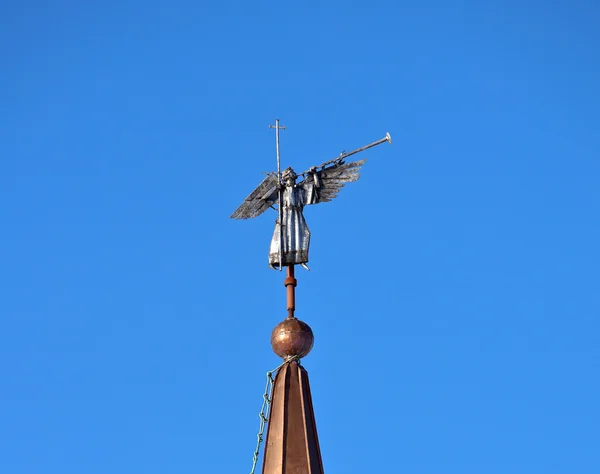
289 176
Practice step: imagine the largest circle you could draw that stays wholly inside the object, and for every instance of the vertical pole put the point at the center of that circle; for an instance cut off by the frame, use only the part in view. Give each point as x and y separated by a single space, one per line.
280 194
277 145
290 284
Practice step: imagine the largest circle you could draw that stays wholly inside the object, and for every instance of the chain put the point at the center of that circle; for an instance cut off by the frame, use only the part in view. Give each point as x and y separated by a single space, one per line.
266 409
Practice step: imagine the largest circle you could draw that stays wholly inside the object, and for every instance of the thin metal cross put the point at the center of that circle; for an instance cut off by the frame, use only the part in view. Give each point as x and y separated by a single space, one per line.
278 127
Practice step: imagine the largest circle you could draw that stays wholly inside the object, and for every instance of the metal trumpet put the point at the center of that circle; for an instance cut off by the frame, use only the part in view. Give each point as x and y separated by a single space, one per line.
342 156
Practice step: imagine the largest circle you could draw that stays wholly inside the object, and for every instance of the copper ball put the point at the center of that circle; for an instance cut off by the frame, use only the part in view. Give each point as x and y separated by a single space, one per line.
292 337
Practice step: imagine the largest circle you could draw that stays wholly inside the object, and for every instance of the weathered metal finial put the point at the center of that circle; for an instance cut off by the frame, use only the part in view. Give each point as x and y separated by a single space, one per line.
292 337
292 444
291 239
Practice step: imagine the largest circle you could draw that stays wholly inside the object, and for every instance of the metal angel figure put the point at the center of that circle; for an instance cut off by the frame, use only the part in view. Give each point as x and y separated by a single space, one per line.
291 238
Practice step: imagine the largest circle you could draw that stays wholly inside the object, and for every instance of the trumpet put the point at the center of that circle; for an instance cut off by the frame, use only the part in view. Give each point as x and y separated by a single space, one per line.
345 155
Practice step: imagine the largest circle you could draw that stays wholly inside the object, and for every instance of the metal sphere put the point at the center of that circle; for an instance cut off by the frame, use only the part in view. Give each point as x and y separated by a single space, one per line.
292 337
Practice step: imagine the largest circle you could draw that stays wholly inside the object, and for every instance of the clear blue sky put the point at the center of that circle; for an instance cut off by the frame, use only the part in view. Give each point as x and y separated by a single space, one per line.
454 290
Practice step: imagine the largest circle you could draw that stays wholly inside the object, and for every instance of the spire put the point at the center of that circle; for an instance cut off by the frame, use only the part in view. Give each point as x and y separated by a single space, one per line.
292 444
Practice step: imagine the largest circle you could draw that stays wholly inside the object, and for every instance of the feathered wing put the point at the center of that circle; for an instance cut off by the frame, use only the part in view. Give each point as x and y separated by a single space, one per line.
324 185
259 200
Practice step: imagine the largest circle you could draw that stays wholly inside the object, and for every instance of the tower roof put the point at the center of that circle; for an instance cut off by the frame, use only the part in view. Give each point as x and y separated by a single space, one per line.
292 444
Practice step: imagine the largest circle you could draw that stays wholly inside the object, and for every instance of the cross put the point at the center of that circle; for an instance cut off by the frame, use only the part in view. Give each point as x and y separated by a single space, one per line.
277 127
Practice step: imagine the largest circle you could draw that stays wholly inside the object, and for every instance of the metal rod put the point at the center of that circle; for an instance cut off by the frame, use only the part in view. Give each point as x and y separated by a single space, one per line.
277 145
280 195
280 190
290 284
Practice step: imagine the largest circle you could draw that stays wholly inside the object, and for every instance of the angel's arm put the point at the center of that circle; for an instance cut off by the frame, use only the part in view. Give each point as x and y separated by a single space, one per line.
324 185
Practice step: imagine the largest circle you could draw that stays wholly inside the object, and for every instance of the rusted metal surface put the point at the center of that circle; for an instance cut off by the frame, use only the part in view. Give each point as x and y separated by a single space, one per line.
290 284
292 445
291 239
292 337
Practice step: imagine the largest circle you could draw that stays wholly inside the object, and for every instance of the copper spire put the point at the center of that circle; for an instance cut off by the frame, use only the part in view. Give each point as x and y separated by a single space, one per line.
292 444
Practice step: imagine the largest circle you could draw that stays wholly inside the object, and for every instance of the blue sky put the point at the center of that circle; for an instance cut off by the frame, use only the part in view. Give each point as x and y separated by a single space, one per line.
454 288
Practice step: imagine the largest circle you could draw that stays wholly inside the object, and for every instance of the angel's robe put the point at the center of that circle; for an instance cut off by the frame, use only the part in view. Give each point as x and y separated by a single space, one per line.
296 235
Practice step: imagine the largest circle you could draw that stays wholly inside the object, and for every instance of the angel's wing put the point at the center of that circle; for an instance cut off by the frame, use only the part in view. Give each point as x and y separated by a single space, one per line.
259 200
324 185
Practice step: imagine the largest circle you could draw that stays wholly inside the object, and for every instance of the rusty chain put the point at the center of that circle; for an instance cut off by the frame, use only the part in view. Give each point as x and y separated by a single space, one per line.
266 409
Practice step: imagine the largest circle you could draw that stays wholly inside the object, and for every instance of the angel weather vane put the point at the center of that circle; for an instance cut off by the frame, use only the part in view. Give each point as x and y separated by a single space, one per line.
291 238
